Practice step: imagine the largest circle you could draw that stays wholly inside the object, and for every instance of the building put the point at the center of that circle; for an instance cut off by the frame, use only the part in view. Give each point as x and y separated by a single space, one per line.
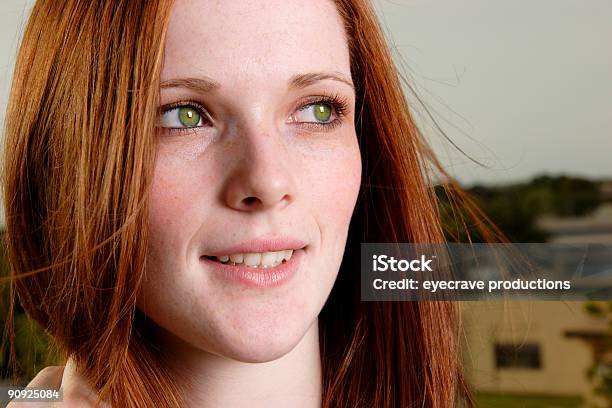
541 347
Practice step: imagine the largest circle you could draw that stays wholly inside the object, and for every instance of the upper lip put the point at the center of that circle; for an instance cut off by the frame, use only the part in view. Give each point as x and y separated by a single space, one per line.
260 245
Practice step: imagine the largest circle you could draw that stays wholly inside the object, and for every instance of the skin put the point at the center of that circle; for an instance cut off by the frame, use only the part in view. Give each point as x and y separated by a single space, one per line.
255 171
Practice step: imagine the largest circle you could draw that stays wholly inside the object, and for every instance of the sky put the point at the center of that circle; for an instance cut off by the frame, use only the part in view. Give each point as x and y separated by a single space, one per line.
524 87
521 86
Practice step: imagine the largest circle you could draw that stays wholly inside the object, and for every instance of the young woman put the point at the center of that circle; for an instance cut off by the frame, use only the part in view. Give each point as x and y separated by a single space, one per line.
187 185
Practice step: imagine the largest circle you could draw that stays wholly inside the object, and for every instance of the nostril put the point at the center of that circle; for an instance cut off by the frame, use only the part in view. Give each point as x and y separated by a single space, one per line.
250 201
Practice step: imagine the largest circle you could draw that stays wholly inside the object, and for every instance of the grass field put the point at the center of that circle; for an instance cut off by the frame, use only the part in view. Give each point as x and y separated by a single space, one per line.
486 400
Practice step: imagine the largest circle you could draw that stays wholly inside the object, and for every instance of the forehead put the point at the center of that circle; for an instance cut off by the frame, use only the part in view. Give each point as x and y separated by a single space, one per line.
254 40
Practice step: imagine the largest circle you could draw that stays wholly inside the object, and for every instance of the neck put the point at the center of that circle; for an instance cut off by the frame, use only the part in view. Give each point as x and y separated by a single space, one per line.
209 380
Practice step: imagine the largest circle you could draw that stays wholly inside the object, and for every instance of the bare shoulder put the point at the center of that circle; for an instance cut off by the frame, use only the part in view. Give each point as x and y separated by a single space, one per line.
49 377
77 393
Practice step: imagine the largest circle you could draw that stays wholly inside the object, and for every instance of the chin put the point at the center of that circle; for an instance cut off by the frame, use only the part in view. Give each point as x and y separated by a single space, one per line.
262 341
261 352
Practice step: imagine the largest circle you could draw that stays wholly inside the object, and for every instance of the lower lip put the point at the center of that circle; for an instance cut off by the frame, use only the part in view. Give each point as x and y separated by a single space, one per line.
257 277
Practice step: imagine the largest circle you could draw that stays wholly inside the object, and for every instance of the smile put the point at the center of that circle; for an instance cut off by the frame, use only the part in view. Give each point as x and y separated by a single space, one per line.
255 259
255 269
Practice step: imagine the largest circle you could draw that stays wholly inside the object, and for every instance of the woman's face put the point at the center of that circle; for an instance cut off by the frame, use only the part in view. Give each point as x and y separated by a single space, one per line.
256 176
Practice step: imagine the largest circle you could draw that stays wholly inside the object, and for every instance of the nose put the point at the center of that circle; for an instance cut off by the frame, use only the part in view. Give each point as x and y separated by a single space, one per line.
262 177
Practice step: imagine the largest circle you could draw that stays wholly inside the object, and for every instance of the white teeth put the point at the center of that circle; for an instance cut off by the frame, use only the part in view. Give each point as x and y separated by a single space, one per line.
268 259
235 258
252 259
258 259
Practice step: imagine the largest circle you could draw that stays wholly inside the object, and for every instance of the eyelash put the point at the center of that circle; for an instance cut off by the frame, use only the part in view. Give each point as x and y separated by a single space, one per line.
187 104
338 103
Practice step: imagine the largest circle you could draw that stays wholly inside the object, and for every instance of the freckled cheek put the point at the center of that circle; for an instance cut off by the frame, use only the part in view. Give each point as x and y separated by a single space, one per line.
168 208
166 246
163 199
335 188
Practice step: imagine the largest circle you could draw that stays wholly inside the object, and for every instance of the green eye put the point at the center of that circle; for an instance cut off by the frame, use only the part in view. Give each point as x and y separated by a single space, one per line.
188 116
322 112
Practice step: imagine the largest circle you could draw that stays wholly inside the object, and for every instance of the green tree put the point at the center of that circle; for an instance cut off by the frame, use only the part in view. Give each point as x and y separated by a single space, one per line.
601 371
32 347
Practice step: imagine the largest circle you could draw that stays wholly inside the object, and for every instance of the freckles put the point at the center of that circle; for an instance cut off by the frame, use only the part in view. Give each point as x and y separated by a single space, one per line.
167 207
334 188
163 198
342 175
171 182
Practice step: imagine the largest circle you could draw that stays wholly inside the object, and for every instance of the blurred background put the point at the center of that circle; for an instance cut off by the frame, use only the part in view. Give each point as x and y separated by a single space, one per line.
516 99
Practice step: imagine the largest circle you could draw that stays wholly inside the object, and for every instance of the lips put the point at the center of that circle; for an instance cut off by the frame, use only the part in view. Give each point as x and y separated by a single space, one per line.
255 277
259 246
257 263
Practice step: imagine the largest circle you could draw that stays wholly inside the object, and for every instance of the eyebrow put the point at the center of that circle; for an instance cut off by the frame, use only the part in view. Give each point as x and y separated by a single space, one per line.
304 80
205 84
202 84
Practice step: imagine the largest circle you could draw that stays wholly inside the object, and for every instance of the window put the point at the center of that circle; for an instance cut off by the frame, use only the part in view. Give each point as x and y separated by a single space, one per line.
509 355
